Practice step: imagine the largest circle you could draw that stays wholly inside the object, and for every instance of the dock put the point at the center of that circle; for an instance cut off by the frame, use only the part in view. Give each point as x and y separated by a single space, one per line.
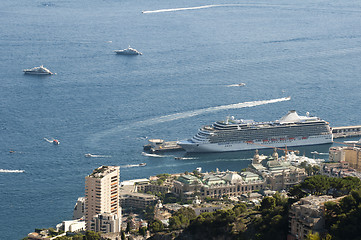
346 131
159 145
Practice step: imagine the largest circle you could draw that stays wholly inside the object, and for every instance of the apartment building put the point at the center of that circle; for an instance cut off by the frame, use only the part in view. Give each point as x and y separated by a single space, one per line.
102 195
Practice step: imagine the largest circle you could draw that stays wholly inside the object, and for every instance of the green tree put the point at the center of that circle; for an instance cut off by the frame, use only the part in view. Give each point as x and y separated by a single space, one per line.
313 236
90 235
343 218
143 231
268 203
78 237
156 226
182 218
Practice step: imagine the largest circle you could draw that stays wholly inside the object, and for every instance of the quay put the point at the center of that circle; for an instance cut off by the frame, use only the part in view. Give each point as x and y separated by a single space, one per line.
346 131
159 145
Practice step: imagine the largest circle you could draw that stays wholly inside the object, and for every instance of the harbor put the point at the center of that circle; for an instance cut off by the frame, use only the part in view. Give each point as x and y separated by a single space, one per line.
346 131
159 145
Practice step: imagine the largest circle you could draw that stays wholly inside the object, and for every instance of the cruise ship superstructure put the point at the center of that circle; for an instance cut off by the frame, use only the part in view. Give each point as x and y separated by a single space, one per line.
237 135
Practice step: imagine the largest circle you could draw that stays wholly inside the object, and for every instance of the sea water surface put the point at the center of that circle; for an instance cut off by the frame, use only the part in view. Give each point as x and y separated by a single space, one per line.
194 55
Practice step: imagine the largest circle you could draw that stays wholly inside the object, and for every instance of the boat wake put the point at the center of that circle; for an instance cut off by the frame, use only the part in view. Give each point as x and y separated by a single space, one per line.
201 7
153 155
176 116
188 114
185 158
11 171
315 152
133 165
96 156
237 85
183 9
49 141
322 153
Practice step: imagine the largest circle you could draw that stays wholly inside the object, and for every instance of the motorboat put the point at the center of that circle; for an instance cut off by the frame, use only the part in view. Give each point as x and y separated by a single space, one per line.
56 142
142 164
88 155
128 51
353 142
38 71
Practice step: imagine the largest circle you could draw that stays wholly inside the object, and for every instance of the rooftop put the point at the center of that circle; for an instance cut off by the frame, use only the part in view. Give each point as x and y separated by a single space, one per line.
103 171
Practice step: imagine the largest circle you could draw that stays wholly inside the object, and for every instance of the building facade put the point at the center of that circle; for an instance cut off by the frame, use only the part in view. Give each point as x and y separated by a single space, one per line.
307 215
102 194
134 200
79 209
352 155
106 223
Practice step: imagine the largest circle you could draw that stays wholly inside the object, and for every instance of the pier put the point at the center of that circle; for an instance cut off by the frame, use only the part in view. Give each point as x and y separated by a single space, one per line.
346 131
159 145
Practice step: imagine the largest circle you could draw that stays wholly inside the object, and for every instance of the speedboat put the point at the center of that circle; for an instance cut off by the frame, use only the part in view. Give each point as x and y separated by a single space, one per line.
38 71
88 155
128 51
56 142
142 164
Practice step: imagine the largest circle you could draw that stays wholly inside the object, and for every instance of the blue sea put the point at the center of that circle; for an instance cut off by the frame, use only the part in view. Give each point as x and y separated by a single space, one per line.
194 55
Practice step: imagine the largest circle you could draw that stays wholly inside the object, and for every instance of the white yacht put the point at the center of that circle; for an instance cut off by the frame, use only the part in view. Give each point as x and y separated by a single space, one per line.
38 71
128 51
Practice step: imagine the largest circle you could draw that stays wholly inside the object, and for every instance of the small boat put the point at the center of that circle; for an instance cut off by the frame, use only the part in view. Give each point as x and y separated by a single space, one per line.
241 84
38 71
56 142
353 142
128 51
88 155
142 164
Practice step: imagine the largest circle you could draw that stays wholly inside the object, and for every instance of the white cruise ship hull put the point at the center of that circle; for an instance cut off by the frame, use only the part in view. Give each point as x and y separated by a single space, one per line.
242 146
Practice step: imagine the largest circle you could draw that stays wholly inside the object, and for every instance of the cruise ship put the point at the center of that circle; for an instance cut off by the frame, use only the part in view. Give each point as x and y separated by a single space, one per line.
237 135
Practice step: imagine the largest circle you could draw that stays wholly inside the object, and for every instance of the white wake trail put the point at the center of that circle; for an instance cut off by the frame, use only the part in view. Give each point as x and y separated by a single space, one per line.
188 114
11 171
182 115
183 9
213 6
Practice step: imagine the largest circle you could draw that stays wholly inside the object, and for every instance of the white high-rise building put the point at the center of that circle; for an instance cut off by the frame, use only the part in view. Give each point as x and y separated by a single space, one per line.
102 194
79 209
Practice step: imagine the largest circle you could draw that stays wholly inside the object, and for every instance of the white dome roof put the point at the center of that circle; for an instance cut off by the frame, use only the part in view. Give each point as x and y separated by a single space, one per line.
290 117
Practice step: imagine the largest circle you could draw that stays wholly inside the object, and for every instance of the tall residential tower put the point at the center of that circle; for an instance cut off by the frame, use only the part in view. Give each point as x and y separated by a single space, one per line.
102 197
